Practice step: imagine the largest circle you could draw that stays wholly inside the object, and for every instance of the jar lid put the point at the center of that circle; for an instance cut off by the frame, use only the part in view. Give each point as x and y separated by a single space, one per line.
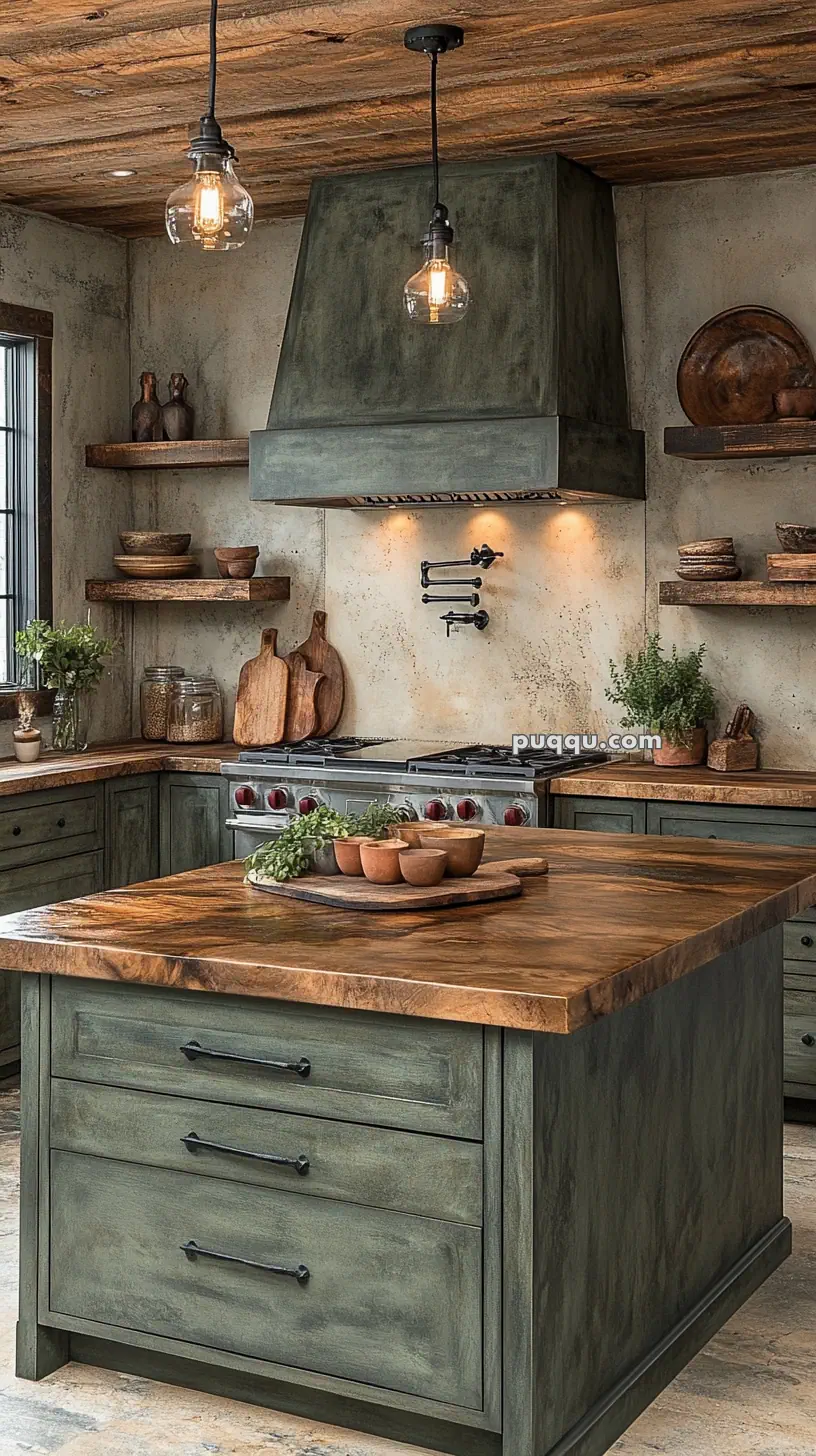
161 671
193 684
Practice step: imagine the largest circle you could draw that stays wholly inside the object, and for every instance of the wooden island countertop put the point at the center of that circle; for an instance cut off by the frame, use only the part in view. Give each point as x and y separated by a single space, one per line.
616 918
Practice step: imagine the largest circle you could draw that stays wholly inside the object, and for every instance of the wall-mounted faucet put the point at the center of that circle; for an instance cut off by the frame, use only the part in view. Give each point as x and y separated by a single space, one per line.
482 556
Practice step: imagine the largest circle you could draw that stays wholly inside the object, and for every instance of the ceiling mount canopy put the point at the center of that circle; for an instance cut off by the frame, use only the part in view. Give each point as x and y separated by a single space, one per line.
211 209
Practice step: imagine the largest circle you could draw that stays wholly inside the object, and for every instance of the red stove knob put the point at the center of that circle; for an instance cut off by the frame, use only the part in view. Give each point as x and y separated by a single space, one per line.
467 809
245 797
277 798
307 804
516 815
435 809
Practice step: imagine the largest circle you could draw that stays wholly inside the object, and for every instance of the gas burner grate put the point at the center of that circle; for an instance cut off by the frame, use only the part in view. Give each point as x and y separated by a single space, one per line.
311 750
491 759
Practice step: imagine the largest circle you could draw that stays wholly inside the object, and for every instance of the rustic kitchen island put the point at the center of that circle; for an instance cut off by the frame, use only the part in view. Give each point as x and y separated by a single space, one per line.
482 1179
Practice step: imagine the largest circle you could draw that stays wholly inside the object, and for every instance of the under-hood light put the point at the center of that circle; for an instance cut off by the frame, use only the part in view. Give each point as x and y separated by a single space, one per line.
437 294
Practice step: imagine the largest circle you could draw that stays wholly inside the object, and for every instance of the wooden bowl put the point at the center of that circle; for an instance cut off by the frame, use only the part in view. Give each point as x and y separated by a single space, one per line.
347 853
796 538
796 403
238 562
380 859
464 848
154 543
157 568
423 866
709 573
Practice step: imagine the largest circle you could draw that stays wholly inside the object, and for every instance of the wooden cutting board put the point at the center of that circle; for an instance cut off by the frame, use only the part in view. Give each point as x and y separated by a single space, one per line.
347 892
301 703
260 703
320 656
791 565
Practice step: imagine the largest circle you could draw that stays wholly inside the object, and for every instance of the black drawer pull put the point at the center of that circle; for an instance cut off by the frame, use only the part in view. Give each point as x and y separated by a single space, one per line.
193 1050
712 836
808 1040
60 823
193 1143
17 829
193 1251
807 939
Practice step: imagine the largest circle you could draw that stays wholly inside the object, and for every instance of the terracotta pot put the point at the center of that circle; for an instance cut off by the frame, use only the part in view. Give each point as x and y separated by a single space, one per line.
347 853
380 860
677 755
464 848
423 866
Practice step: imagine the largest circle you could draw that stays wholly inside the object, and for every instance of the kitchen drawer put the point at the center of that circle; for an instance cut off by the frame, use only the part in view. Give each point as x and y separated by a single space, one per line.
734 821
605 816
45 826
800 1037
404 1171
806 917
800 975
800 941
46 884
361 1067
390 1300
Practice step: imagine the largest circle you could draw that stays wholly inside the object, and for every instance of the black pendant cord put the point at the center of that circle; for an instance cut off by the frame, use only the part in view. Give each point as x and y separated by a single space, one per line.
434 129
213 66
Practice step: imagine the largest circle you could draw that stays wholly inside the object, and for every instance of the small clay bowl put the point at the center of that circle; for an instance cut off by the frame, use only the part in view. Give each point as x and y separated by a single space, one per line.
380 859
238 562
797 403
409 833
154 543
347 853
464 848
796 538
423 866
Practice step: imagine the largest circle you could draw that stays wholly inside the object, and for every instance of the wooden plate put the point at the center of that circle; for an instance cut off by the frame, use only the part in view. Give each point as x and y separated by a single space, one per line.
732 367
157 568
346 892
714 546
709 573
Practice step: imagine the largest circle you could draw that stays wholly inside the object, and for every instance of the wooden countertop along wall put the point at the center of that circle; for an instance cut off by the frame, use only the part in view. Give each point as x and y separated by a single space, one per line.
109 761
617 917
779 788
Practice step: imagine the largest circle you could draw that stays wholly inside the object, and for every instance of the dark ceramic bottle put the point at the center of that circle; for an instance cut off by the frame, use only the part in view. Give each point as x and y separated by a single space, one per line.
177 414
146 415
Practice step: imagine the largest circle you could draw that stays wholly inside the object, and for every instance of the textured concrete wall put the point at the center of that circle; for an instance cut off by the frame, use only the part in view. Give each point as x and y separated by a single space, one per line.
81 277
688 251
568 594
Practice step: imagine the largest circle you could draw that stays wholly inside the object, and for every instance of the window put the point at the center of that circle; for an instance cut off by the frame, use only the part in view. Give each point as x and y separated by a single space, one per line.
25 477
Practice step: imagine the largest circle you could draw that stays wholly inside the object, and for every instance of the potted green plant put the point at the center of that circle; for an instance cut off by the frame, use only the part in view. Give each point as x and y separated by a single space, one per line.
669 696
71 660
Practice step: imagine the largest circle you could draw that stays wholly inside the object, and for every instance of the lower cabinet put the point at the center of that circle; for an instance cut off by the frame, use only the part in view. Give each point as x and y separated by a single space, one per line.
605 816
131 830
193 810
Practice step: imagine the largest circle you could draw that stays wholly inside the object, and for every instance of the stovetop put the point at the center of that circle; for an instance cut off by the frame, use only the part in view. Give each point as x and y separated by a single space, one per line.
406 756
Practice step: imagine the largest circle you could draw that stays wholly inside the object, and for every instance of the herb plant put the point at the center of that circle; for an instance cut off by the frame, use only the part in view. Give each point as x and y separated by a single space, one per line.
68 657
292 853
665 695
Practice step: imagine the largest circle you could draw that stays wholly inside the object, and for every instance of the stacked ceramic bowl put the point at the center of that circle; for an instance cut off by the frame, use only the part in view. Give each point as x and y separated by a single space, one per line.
155 555
711 560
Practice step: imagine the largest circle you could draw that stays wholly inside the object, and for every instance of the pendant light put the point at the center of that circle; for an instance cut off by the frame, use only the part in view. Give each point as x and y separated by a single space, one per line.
437 294
211 209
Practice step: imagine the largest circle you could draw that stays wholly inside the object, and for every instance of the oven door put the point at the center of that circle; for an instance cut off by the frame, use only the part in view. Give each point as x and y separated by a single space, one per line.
249 836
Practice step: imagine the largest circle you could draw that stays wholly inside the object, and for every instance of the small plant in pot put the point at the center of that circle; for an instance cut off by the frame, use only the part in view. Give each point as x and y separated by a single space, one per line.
665 695
71 660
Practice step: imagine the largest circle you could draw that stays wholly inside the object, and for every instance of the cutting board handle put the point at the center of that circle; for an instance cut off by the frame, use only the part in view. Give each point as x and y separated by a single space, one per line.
318 625
269 640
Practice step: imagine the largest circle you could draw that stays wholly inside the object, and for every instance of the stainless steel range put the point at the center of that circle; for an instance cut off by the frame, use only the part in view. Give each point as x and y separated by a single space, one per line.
479 783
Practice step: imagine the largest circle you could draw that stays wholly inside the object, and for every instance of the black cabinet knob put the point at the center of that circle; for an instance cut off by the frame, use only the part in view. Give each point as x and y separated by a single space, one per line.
808 1040
712 836
807 939
60 823
17 829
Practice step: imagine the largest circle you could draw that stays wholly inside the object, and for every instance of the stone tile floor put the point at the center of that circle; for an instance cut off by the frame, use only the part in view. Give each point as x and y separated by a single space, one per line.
751 1392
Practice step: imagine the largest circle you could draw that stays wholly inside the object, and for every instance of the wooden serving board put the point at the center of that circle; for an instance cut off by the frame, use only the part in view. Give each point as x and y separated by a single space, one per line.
320 656
301 703
348 892
260 703
791 565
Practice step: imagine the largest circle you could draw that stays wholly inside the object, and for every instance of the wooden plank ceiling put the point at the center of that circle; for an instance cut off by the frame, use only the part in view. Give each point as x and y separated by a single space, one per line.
638 90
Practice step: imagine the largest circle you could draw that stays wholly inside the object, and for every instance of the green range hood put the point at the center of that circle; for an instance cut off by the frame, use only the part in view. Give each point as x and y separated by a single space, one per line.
523 400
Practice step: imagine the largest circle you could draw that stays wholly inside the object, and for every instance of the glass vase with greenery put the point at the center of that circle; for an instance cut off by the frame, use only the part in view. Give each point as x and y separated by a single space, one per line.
665 695
70 660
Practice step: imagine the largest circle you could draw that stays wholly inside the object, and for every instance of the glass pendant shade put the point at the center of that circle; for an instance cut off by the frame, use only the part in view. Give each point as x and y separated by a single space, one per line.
437 294
211 208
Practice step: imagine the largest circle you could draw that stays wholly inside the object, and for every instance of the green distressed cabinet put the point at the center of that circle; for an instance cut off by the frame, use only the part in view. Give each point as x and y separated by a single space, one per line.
131 830
193 810
751 825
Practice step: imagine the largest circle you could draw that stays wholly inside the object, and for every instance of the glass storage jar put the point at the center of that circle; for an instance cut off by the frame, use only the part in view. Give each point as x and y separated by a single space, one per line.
196 711
154 700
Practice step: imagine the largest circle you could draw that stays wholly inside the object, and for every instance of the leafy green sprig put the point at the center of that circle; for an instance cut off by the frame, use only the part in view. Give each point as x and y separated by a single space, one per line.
293 852
68 657
666 695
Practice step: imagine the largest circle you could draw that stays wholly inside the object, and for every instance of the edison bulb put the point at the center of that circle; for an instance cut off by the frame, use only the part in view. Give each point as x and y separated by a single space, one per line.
211 209
437 294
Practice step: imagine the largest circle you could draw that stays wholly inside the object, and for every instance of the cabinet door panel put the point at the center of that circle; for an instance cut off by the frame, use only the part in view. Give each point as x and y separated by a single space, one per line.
194 808
604 816
734 822
131 830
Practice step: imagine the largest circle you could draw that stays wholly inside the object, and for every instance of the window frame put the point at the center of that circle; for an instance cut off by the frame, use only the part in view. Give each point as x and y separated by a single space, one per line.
36 328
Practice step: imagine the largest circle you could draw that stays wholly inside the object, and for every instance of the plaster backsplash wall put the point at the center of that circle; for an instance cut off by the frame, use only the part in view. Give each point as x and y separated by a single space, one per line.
80 276
687 251
567 595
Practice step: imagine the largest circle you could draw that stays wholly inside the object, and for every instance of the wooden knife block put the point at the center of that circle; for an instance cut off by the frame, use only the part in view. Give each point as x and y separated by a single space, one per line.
729 755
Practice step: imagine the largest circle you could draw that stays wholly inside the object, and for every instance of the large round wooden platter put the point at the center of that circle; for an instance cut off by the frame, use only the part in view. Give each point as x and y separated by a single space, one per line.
732 367
347 892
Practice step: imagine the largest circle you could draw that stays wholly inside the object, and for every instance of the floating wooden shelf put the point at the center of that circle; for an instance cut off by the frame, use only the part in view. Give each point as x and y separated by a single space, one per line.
168 455
741 442
737 594
191 589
